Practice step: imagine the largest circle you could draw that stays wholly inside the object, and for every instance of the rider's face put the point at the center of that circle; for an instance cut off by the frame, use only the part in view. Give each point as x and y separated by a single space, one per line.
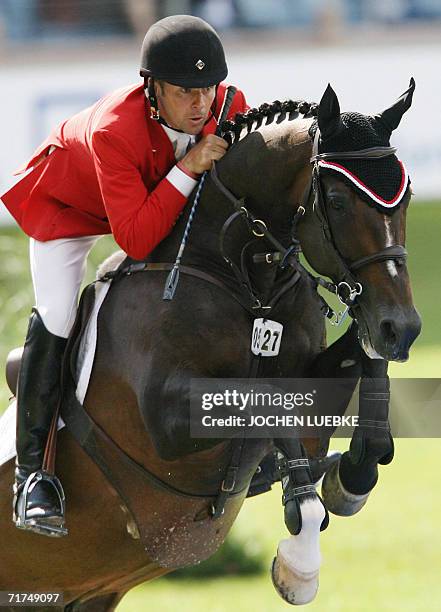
183 108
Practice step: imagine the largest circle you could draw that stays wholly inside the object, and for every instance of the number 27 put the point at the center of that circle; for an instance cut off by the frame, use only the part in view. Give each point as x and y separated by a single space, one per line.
266 339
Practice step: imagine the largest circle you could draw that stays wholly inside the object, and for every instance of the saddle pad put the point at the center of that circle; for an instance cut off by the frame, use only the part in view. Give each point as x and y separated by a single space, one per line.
87 348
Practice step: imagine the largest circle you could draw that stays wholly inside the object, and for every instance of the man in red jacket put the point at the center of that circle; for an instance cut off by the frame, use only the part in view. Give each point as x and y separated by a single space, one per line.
125 166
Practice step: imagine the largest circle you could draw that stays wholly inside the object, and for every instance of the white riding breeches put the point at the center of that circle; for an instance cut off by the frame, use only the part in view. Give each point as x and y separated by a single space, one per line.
58 268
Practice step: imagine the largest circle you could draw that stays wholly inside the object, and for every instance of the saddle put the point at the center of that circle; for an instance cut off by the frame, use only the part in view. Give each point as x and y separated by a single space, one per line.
12 369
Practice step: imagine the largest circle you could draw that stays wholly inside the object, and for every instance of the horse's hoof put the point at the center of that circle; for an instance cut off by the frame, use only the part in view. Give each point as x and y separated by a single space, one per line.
335 497
294 587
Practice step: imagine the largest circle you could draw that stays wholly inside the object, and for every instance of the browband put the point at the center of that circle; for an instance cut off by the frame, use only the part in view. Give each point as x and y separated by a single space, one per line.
371 153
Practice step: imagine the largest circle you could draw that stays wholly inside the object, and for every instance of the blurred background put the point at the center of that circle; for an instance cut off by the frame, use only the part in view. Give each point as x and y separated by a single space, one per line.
58 56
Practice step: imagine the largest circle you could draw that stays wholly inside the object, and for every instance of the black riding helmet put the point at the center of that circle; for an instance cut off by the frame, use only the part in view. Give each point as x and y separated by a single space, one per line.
185 51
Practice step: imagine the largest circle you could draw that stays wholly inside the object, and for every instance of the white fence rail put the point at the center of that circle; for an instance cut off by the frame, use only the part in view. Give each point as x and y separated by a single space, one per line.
366 79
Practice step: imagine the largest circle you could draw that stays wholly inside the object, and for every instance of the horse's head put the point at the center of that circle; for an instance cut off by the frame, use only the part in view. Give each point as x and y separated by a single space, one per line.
354 227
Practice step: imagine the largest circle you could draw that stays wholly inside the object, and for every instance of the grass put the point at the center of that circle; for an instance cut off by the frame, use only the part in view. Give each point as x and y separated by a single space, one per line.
385 558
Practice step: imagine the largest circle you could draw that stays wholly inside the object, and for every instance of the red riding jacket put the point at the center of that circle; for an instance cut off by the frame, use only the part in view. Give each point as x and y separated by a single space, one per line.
107 174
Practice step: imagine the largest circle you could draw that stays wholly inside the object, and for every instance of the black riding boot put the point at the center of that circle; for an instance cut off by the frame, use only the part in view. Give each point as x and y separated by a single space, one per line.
38 496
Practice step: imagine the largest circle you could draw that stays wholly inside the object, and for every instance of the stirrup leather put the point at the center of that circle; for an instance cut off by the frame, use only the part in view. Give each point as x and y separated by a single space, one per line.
49 525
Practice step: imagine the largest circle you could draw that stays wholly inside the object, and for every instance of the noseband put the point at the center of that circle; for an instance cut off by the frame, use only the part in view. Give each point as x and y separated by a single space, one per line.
347 288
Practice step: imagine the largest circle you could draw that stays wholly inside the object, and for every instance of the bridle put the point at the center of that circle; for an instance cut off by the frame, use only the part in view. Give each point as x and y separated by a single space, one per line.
258 230
346 288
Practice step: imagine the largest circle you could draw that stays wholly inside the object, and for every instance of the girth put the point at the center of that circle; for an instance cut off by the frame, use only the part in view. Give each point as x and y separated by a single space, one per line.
128 270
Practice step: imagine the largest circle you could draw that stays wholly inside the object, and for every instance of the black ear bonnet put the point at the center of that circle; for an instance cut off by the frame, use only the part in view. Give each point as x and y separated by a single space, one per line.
383 181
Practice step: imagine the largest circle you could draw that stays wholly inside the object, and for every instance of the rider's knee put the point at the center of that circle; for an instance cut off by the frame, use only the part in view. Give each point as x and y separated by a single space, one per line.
57 319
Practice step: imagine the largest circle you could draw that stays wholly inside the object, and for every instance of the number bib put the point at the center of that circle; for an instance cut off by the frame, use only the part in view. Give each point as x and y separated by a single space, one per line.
266 337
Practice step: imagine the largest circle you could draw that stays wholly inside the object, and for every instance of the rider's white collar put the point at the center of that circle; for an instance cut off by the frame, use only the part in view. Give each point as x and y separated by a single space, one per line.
181 142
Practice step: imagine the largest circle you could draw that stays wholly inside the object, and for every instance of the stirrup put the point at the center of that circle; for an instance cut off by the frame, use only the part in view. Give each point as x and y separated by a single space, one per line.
52 526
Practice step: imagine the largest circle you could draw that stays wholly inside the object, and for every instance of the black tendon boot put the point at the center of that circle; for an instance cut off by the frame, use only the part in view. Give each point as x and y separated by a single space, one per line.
39 502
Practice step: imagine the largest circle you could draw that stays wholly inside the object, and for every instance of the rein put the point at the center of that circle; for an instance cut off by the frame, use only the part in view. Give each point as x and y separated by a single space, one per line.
258 228
173 277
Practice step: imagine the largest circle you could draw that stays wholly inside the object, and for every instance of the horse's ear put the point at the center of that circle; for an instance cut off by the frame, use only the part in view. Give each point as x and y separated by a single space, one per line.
329 113
391 117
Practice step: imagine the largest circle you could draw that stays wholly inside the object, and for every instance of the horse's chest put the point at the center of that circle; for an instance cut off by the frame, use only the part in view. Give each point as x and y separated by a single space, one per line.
280 349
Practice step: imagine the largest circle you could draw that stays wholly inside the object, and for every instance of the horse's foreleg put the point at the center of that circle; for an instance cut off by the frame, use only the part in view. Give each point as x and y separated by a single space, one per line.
296 567
342 359
342 362
348 483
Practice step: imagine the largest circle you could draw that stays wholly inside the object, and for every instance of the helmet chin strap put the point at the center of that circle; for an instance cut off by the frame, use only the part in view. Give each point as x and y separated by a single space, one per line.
149 89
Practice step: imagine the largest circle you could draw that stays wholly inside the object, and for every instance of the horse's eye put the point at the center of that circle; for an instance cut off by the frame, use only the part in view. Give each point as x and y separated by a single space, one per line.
335 204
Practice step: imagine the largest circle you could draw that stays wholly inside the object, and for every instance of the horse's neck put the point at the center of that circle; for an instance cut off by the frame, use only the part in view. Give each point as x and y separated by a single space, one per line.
271 178
203 234
202 245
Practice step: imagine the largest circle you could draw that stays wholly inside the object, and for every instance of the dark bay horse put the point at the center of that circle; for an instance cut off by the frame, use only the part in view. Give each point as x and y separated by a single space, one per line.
149 350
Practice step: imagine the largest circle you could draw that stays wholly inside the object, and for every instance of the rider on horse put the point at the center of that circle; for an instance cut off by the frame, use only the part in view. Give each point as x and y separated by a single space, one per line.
125 166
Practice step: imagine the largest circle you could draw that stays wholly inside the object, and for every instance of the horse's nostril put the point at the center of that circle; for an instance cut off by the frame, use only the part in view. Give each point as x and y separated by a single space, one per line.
388 332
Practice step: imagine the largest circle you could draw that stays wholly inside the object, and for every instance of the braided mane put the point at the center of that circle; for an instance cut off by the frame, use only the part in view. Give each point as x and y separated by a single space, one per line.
254 117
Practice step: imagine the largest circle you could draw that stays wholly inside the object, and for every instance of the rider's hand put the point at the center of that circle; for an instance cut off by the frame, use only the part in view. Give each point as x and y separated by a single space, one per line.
200 157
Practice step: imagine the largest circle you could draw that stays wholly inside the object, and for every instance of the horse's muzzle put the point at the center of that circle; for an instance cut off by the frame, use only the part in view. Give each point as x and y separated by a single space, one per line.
394 332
